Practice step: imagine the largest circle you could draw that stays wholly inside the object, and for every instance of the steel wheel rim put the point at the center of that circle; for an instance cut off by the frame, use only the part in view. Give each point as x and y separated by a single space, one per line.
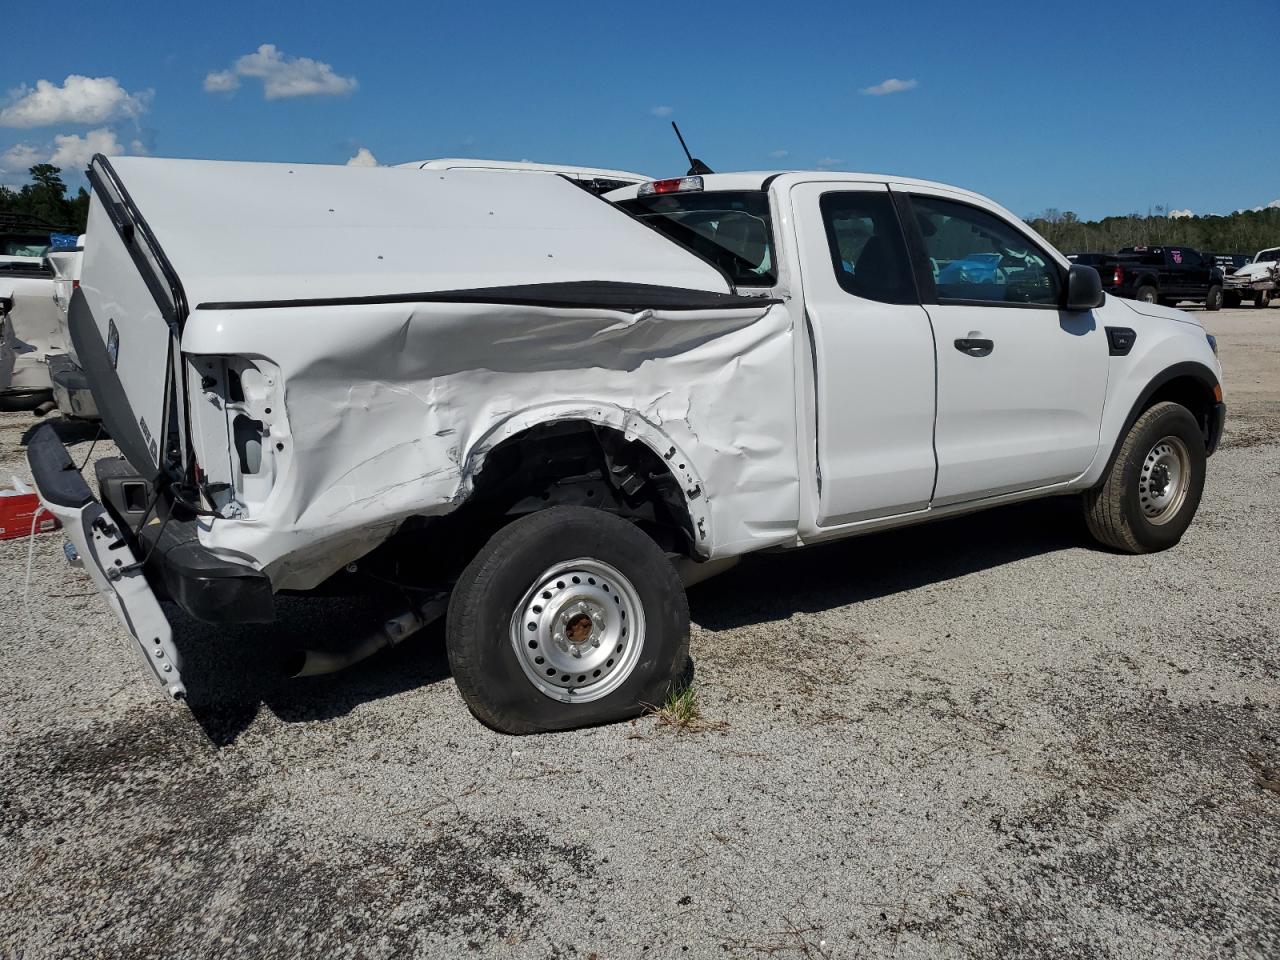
1164 480
579 630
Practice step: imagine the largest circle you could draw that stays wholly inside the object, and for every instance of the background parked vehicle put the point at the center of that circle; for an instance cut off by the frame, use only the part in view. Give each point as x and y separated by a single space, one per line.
71 391
1256 281
1168 275
1230 262
29 330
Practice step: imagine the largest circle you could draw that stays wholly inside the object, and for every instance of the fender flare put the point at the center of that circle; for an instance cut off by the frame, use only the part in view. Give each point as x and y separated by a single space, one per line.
631 424
1187 368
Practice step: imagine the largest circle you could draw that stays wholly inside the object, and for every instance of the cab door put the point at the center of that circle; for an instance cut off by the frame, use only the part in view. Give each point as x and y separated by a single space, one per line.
872 354
1021 381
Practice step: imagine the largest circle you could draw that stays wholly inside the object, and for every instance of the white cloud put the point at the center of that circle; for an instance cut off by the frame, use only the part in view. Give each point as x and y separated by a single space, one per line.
69 151
78 100
363 158
662 111
1180 214
282 76
826 163
779 154
892 85
20 158
221 81
1273 205
73 152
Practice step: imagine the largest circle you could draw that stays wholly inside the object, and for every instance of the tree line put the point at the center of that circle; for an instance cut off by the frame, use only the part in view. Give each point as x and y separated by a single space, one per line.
45 199
1246 231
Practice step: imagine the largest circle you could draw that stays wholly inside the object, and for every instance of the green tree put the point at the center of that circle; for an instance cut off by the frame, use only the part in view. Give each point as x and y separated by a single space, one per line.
45 198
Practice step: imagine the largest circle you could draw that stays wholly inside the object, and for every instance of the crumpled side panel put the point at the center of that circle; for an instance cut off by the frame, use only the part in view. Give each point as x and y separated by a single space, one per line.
391 409
31 332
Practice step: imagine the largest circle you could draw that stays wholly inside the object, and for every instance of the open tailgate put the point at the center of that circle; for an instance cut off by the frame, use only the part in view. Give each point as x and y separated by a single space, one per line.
123 321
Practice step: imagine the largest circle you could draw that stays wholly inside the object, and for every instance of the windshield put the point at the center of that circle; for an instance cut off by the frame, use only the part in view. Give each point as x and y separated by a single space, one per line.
1268 256
731 229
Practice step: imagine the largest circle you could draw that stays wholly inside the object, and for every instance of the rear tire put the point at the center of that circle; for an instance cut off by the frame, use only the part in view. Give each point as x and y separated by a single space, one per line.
568 617
1151 491
1213 301
1146 294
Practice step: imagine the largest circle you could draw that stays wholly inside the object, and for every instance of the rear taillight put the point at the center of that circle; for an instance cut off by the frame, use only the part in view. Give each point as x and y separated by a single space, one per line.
1117 278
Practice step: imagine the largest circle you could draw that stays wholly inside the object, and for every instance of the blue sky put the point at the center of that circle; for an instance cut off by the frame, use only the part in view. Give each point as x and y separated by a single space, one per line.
1093 107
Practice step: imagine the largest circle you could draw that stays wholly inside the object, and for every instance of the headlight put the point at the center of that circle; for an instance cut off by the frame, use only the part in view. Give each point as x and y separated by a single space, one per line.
1213 343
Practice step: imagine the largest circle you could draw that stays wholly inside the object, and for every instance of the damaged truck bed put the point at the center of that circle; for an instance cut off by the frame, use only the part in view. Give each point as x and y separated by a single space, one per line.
296 361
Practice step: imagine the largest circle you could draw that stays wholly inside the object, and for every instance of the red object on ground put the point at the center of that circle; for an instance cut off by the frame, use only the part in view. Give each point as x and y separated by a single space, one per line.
16 512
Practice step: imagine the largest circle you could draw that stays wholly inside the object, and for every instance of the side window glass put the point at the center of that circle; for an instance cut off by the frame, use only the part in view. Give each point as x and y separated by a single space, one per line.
976 255
868 251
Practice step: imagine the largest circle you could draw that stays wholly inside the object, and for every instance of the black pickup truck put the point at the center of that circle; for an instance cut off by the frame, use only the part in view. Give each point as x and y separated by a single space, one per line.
1167 275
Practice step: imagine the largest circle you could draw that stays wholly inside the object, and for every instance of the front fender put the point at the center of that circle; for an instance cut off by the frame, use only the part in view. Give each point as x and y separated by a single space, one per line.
1161 355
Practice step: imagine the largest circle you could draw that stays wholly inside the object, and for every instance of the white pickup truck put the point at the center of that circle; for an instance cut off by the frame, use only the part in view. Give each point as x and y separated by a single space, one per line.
548 407
1257 280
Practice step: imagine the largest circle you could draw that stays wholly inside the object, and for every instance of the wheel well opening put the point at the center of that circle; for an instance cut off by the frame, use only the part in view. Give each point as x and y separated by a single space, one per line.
1191 393
568 462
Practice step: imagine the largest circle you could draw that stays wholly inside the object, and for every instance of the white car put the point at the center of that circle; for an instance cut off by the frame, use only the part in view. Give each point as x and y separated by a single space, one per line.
1257 280
549 408
29 331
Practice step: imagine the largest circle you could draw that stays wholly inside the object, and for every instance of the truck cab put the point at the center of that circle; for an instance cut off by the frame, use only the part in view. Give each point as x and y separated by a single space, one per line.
943 363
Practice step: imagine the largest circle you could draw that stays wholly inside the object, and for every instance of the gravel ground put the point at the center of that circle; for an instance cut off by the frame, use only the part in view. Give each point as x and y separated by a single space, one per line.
979 738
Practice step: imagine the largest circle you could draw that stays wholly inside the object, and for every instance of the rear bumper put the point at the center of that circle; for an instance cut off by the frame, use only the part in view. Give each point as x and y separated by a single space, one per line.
177 565
107 557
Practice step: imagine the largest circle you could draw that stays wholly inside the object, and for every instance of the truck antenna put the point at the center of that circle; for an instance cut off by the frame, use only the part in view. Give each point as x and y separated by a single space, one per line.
696 167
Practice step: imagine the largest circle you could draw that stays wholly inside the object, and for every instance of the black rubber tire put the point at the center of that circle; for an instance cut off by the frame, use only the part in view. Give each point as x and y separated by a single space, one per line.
484 664
1263 299
20 400
1146 294
1112 509
1231 300
1213 300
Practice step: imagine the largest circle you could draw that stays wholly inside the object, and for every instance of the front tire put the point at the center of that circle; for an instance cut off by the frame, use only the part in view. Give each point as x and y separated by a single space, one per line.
1214 299
1263 299
1150 493
568 617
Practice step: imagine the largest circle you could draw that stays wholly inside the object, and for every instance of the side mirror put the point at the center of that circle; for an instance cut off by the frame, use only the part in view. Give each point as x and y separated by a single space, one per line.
1084 288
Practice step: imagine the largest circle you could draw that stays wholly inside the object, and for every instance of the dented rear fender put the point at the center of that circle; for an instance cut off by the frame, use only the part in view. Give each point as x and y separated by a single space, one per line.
388 411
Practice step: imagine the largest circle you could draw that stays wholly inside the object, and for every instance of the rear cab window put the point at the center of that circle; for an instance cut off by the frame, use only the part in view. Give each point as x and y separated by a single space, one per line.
868 250
731 229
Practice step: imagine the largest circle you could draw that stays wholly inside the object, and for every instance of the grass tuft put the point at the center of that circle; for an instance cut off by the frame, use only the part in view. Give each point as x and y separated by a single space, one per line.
683 712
